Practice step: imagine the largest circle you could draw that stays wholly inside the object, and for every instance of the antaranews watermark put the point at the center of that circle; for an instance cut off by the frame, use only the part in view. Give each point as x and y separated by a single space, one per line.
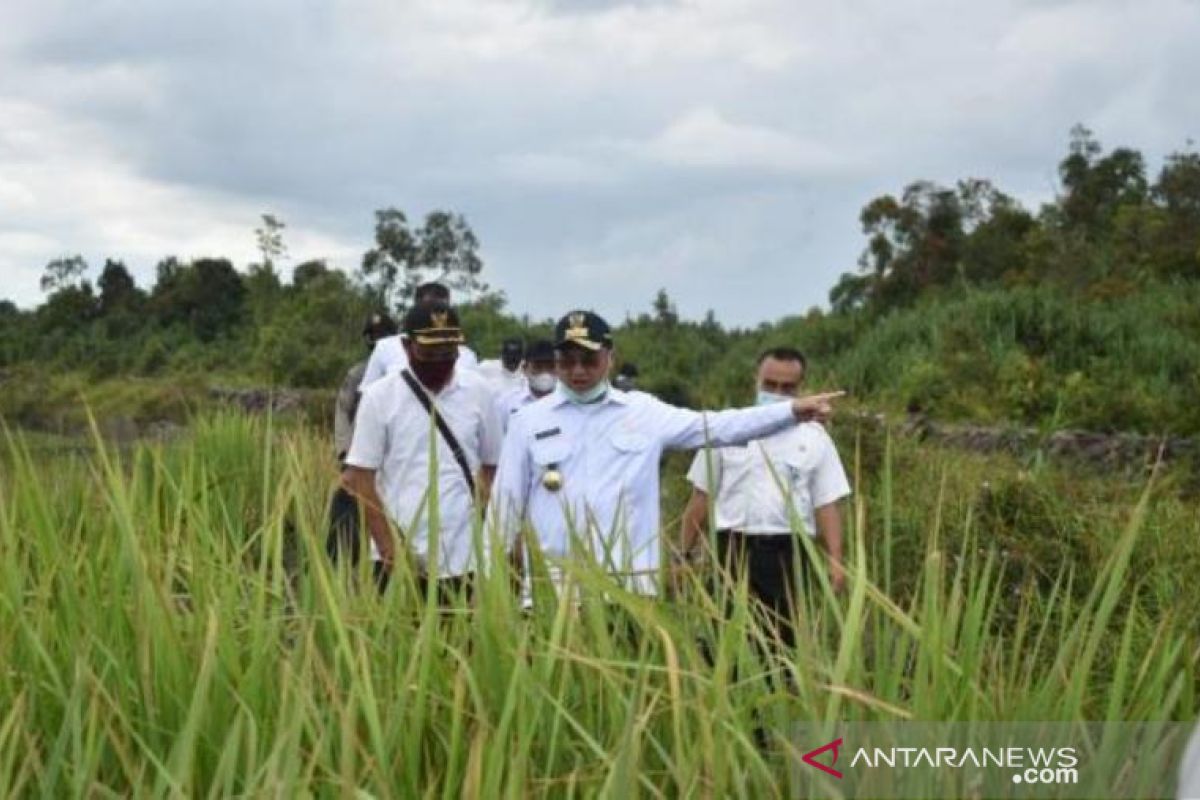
1004 760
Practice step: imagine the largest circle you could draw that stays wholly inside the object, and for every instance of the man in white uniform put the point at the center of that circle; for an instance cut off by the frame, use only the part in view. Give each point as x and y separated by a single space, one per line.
766 493
387 467
505 374
344 534
581 464
539 381
390 354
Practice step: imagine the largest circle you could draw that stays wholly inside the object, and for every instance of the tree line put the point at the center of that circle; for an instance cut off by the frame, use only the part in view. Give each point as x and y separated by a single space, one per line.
1109 230
963 303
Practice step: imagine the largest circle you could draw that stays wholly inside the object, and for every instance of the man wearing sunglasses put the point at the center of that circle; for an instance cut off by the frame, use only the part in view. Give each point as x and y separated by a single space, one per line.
581 464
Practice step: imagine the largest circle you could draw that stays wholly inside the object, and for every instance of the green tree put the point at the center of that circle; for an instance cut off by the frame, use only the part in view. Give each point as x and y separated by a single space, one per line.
443 249
664 310
207 296
68 310
384 264
309 273
447 252
1177 193
63 272
263 286
1096 186
118 291
269 237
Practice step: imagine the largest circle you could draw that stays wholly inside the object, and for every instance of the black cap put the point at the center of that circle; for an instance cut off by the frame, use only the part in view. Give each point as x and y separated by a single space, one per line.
585 329
432 292
378 326
540 350
436 323
514 348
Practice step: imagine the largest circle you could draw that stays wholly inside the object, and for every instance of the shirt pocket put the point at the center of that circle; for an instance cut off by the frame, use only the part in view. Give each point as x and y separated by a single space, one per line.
796 470
548 452
796 473
629 443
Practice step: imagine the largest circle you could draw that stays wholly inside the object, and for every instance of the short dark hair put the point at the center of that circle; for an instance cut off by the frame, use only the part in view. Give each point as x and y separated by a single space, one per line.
540 350
379 325
433 291
783 354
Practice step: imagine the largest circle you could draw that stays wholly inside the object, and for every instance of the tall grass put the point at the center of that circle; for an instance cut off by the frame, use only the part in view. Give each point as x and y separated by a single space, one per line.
169 626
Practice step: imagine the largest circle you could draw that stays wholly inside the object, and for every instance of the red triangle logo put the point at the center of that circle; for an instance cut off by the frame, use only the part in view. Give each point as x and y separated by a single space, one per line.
810 757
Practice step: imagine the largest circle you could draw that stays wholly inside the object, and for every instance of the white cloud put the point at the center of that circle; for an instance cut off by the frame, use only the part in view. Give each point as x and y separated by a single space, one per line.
704 138
64 192
655 142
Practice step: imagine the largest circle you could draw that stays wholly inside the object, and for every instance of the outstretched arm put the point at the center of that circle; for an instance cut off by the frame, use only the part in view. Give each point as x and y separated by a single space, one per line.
685 429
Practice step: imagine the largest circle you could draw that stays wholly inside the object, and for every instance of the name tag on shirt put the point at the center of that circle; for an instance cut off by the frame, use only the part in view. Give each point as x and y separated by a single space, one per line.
547 433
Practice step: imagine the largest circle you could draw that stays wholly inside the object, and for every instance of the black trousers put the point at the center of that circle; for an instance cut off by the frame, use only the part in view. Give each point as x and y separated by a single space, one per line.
769 563
345 539
447 588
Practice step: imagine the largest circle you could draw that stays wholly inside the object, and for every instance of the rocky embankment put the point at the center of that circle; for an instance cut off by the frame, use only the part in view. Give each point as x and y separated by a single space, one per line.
1101 450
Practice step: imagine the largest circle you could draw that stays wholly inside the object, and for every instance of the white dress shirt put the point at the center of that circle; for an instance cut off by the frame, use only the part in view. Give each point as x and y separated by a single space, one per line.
756 487
608 456
391 436
1189 770
501 380
511 402
388 356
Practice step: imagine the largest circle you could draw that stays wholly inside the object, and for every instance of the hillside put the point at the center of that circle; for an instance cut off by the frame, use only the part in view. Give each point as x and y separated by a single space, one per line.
964 305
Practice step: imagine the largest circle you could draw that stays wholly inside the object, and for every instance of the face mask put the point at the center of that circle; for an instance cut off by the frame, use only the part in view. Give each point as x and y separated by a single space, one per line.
542 383
766 398
590 396
434 375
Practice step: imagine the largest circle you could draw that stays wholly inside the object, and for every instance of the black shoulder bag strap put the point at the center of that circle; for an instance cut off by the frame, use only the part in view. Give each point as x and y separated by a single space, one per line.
443 428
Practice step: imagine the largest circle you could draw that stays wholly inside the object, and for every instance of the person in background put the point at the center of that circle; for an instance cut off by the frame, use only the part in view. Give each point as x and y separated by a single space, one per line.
390 355
627 377
389 463
505 374
1189 769
760 490
344 535
539 381
581 465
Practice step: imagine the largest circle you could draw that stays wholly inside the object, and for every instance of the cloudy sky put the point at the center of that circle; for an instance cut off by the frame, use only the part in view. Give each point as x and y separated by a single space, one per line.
718 148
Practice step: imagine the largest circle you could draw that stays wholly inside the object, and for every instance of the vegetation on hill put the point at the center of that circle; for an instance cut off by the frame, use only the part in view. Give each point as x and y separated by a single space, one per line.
1085 312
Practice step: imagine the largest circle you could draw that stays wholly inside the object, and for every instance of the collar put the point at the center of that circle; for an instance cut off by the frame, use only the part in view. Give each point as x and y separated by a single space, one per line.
614 396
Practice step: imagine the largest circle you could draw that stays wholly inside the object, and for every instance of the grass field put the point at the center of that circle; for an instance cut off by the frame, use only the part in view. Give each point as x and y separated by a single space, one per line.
169 626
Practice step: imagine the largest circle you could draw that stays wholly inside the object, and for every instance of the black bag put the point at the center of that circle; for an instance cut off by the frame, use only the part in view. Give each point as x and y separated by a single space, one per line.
344 534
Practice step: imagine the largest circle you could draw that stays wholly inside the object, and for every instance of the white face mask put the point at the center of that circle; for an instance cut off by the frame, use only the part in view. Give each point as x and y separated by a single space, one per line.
766 398
590 396
542 382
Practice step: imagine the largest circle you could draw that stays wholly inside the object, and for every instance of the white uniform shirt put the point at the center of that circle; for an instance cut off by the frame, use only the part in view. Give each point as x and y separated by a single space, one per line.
388 356
755 487
608 455
501 380
391 435
510 403
1189 769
